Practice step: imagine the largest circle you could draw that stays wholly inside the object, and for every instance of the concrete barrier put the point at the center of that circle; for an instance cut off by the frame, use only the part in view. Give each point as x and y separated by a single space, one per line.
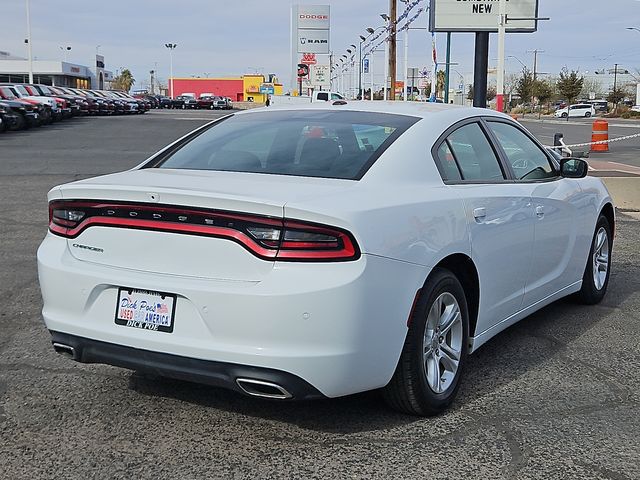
247 105
625 192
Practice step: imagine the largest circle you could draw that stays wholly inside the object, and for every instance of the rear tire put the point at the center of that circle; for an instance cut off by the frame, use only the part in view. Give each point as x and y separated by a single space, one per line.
598 270
428 374
587 115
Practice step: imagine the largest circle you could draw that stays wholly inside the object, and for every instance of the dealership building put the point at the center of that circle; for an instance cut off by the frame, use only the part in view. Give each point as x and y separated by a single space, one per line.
56 73
245 88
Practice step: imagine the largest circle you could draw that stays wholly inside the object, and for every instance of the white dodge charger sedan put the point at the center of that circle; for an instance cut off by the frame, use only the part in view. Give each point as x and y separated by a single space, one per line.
320 251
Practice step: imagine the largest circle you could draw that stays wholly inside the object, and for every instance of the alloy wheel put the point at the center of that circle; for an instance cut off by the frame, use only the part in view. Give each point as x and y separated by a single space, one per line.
442 343
600 258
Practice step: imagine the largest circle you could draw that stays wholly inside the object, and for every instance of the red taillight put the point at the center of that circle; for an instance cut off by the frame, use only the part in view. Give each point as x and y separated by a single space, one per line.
265 237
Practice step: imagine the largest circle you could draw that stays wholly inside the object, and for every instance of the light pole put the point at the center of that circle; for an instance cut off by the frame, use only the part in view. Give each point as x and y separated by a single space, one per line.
462 83
28 42
370 31
633 28
519 61
66 51
353 71
171 47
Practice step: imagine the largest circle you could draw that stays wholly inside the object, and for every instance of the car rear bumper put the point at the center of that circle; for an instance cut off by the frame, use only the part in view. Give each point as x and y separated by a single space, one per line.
260 382
338 326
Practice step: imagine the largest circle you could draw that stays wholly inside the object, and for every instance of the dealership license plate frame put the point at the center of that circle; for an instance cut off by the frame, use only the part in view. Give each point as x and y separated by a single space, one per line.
143 324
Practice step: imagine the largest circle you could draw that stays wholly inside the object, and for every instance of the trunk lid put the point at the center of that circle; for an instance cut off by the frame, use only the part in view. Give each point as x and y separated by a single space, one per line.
139 192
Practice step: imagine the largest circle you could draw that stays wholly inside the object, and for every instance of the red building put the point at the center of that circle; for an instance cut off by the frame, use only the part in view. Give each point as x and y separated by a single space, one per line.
224 87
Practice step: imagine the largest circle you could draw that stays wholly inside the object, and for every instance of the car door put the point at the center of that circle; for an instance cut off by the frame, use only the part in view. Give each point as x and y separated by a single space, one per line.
556 204
499 217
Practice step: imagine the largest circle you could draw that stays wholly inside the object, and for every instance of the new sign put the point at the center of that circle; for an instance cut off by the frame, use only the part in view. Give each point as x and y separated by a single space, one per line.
481 15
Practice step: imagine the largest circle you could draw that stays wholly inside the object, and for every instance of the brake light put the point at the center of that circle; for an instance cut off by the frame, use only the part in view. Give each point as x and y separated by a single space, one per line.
266 237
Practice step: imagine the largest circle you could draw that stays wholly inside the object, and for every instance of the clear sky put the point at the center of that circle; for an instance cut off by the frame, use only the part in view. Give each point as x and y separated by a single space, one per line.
222 38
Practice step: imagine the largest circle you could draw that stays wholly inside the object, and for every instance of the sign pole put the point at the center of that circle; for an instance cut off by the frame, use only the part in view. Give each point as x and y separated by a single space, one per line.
447 69
481 62
501 39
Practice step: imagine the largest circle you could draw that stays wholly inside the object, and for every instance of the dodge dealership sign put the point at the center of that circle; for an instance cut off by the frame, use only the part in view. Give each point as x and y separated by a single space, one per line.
313 16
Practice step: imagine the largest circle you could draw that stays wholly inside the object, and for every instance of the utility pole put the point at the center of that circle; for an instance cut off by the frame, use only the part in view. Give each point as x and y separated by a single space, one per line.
535 71
393 15
535 62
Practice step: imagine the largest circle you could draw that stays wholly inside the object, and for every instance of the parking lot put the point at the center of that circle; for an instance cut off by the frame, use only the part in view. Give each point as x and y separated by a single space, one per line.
555 396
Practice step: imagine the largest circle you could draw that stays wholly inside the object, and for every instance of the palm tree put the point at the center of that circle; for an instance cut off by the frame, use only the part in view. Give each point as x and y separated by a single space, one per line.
124 81
440 77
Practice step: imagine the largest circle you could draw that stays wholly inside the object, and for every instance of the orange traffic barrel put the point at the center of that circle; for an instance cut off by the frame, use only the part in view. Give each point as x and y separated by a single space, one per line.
599 133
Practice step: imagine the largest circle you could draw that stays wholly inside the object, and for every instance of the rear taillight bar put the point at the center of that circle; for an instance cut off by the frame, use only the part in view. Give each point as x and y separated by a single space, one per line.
268 238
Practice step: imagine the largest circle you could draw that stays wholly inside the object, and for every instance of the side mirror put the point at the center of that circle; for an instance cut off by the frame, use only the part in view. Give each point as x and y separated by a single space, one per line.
573 167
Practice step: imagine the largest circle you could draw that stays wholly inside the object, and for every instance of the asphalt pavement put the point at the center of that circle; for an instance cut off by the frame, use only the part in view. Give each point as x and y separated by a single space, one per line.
578 131
556 396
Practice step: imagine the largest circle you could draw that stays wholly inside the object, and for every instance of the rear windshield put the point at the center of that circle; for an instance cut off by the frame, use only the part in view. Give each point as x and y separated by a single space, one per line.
309 143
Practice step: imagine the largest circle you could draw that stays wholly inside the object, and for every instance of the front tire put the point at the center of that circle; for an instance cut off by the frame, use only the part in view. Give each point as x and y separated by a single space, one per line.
428 374
587 115
565 115
596 274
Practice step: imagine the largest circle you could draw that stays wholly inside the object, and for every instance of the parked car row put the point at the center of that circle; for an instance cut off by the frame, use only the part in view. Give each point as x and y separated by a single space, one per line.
206 101
25 106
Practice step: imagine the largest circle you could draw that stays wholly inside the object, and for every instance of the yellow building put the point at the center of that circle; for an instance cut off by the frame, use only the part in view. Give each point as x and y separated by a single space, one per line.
257 87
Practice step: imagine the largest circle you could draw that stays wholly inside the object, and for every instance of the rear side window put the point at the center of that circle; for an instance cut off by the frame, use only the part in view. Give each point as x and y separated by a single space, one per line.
323 96
474 155
310 143
448 162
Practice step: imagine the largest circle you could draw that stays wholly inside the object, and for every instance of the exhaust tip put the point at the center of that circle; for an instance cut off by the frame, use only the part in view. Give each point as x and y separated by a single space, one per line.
260 388
66 350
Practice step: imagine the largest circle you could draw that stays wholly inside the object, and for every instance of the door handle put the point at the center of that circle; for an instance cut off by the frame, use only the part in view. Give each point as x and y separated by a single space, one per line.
479 213
540 211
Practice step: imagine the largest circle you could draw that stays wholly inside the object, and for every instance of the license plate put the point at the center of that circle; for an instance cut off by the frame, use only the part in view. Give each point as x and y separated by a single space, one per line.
145 309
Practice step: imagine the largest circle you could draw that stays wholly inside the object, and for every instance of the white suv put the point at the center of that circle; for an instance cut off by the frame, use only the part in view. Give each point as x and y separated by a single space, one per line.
578 110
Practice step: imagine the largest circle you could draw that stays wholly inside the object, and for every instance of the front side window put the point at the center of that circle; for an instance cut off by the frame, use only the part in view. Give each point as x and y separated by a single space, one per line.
528 161
313 143
473 154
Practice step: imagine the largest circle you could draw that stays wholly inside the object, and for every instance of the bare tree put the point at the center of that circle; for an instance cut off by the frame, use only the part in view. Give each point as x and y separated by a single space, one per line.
592 86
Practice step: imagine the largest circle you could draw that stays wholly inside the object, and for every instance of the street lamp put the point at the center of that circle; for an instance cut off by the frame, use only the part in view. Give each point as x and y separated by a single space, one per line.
66 51
370 31
171 47
520 61
387 21
634 28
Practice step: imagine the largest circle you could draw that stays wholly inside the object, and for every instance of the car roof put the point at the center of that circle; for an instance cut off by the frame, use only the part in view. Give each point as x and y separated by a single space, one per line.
414 109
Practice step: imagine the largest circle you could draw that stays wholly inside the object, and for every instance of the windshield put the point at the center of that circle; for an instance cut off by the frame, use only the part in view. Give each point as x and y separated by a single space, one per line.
21 90
6 93
310 143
